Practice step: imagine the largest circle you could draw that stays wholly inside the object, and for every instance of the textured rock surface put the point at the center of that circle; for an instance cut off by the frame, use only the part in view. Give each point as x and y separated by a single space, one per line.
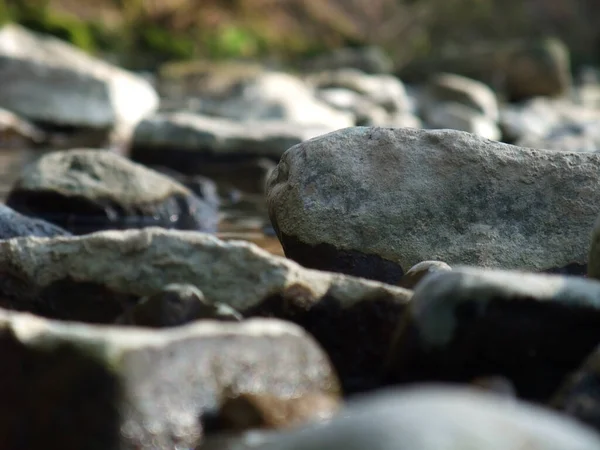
374 202
533 329
78 386
96 276
86 190
439 418
47 80
14 224
186 141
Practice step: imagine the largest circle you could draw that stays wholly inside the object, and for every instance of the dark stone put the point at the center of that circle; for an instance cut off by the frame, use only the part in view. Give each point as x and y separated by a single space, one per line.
533 343
579 396
64 300
42 398
356 337
14 224
350 262
81 215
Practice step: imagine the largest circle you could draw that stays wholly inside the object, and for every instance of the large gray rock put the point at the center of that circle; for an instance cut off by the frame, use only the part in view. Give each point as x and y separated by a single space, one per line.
530 328
374 202
85 190
187 142
73 386
97 276
13 224
47 80
439 418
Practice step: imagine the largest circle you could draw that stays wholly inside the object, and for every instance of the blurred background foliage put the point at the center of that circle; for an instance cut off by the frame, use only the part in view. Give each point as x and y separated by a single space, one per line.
143 33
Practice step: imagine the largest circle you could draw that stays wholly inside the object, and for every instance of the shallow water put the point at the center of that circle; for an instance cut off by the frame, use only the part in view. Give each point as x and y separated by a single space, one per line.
243 216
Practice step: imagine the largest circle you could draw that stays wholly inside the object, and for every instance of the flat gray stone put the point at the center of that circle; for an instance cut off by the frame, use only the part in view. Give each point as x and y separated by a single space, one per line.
96 277
75 386
532 329
373 202
439 418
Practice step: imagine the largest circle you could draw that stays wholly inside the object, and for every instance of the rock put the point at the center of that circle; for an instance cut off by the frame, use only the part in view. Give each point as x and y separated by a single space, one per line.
440 418
79 386
85 190
252 411
572 137
250 440
203 187
18 132
371 60
539 68
364 111
13 224
175 305
279 97
530 328
455 116
579 396
188 142
385 91
417 272
372 202
51 82
452 88
94 278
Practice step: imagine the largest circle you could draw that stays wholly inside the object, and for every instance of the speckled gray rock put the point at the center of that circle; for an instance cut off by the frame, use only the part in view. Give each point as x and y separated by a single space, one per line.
85 190
373 202
176 304
78 386
417 272
13 224
187 142
97 276
579 396
533 329
440 418
47 80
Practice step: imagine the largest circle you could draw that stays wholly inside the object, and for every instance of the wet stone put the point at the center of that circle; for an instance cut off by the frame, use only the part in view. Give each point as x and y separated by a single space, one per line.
176 304
85 190
76 385
532 329
89 278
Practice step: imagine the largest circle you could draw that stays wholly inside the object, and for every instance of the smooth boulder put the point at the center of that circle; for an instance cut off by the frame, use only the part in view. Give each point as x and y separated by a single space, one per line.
533 329
72 386
98 276
373 202
86 190
439 418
